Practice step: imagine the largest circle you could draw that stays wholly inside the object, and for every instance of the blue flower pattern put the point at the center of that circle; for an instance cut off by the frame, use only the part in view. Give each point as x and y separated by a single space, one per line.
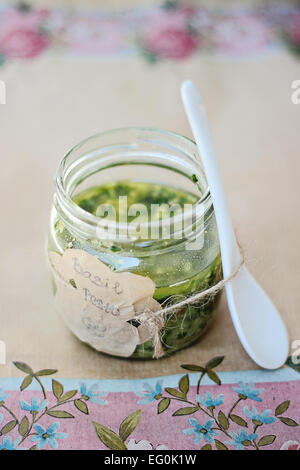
150 394
93 394
48 435
241 439
35 405
219 423
264 417
208 400
248 391
9 444
200 431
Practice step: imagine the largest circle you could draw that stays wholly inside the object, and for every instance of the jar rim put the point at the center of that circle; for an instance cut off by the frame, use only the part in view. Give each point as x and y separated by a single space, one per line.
64 202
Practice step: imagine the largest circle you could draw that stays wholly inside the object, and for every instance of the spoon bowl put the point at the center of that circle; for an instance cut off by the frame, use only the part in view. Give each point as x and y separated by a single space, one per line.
257 321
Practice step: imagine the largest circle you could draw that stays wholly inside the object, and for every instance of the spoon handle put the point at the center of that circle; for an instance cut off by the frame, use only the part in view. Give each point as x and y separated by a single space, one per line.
195 111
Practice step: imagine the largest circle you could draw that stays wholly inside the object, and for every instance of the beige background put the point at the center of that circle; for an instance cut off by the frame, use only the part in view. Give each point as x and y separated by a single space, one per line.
54 102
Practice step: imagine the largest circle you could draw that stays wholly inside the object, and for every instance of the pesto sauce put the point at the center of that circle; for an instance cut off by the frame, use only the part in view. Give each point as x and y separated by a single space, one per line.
146 194
188 324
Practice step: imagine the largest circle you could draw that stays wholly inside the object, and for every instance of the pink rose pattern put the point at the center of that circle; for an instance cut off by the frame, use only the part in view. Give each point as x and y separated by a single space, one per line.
175 31
21 33
22 44
171 43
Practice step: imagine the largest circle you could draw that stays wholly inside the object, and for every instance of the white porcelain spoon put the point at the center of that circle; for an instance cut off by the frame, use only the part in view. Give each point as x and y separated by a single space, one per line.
255 318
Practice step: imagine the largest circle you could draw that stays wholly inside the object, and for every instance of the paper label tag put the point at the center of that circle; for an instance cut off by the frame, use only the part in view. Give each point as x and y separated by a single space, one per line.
97 303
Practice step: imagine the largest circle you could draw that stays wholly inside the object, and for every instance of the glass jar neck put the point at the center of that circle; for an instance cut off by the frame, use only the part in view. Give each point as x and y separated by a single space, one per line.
141 154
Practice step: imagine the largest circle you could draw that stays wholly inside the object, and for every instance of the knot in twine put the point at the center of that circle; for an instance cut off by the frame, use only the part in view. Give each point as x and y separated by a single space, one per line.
155 321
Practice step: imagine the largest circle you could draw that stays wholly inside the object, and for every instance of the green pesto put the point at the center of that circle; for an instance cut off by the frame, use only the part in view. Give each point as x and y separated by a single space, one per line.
147 194
187 325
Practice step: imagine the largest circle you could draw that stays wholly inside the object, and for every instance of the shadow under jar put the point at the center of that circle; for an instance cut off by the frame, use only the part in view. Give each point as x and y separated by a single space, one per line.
174 241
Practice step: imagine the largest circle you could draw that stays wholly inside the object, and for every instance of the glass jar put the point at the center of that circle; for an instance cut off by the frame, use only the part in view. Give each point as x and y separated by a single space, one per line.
179 264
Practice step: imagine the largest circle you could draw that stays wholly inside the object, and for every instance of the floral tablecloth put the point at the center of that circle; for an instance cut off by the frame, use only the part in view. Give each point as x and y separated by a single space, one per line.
173 30
198 410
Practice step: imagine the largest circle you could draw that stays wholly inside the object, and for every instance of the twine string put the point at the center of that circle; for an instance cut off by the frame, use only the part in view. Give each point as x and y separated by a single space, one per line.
156 320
